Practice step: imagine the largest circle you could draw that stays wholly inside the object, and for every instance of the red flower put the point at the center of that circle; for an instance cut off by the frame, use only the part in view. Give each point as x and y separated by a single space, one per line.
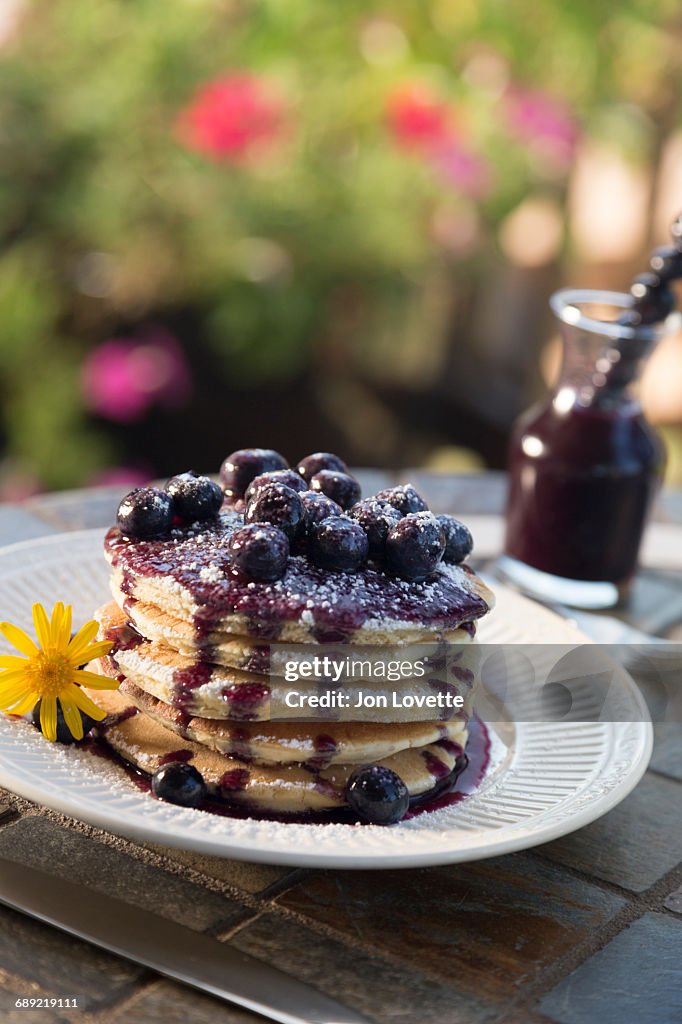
417 118
231 118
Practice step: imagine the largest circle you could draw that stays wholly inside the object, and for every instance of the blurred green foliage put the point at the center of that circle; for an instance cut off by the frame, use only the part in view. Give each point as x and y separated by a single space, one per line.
108 221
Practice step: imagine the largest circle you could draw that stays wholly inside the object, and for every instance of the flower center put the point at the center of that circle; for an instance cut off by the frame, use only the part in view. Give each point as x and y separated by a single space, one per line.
52 673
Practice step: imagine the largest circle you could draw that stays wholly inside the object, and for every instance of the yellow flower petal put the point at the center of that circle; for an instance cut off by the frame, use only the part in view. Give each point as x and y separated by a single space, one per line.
25 705
18 638
56 623
67 626
13 685
91 652
85 704
79 645
12 661
61 625
48 718
42 626
10 675
10 696
72 717
94 681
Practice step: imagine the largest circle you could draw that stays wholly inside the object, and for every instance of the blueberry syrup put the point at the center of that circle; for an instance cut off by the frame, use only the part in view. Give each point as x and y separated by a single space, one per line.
435 766
244 699
447 689
234 780
342 602
176 755
240 744
187 680
124 637
325 748
466 777
452 788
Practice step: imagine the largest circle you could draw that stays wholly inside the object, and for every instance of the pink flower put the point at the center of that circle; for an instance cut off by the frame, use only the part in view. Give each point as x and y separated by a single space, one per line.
417 118
535 117
124 377
464 169
121 476
231 118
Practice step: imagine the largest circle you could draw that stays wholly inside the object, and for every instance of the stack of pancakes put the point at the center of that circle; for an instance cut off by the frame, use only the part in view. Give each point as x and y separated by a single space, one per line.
192 653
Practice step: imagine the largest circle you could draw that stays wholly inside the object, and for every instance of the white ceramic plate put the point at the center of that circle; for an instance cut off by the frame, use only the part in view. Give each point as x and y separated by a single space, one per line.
544 779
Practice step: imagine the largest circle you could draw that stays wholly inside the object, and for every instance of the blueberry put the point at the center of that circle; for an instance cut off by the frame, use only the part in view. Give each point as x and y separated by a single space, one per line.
404 498
313 464
288 477
63 732
179 783
458 539
278 505
340 487
676 231
415 546
317 506
239 468
653 300
338 544
666 263
260 551
376 517
194 497
377 795
145 513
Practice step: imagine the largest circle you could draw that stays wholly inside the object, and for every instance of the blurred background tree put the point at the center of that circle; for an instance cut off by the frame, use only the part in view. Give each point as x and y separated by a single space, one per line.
226 223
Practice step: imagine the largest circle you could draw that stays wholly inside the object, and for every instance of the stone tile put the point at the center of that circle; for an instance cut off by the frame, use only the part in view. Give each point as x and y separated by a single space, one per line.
633 845
60 965
167 1003
667 756
10 1013
488 927
366 983
251 878
674 901
17 523
41 843
635 978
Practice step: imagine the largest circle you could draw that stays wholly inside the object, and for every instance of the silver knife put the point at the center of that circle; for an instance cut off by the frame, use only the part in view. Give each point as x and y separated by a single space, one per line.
171 949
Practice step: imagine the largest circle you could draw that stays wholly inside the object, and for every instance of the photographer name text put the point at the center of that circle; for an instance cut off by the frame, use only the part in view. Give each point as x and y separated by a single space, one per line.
361 699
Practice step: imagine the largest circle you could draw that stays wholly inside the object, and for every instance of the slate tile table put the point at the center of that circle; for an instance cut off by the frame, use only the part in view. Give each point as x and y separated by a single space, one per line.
583 930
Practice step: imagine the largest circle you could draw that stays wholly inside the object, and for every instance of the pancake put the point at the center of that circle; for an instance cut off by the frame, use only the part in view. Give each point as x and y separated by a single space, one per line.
279 790
313 744
186 575
206 690
228 649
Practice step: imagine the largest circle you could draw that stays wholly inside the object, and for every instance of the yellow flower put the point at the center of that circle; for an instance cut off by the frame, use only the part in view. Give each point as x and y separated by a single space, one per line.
50 672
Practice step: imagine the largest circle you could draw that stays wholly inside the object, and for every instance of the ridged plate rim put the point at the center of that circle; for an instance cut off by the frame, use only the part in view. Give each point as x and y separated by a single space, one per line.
553 779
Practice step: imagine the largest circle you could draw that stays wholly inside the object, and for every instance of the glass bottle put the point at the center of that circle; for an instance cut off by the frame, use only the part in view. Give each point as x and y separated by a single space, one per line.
584 464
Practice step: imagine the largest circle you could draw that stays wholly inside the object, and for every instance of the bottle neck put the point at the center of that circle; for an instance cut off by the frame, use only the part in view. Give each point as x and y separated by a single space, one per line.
598 371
